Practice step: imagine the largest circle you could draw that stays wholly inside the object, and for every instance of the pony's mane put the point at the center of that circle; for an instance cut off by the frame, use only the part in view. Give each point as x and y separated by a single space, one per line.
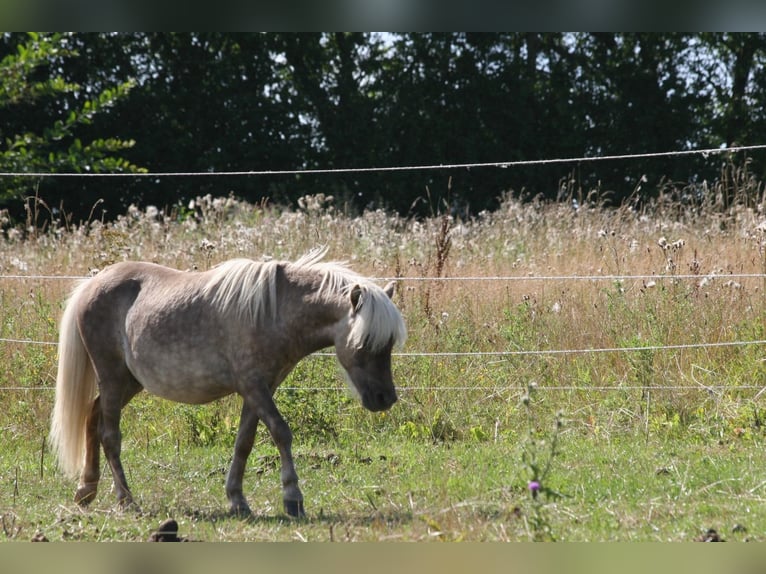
245 287
249 289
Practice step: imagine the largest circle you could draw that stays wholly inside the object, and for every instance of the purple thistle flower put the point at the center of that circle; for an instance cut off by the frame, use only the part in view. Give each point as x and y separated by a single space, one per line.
534 487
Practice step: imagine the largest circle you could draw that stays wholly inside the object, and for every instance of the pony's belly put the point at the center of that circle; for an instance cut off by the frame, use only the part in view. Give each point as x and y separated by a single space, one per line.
182 382
193 392
178 373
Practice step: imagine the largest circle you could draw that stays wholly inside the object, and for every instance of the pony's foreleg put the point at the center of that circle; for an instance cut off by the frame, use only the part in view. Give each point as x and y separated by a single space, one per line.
266 410
91 472
292 497
248 423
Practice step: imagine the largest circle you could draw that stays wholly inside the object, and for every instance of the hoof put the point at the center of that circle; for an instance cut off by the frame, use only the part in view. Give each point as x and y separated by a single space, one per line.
241 511
128 505
85 495
239 507
294 508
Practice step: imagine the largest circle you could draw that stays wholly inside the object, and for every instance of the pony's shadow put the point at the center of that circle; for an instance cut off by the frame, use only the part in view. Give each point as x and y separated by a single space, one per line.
321 517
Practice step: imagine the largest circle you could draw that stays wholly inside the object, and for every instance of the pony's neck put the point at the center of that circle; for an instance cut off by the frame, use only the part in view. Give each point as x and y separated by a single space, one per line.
313 318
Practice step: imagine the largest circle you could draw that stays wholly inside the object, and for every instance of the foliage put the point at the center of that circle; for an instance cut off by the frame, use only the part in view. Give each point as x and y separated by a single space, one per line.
537 457
32 79
211 102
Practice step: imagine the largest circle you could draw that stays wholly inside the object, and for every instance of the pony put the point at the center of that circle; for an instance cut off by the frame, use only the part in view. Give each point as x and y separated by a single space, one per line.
197 336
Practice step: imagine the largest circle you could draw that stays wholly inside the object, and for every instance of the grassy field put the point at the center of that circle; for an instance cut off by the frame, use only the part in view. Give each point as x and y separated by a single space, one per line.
603 396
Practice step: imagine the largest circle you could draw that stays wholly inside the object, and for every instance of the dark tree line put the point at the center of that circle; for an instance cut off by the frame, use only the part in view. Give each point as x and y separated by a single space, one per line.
243 102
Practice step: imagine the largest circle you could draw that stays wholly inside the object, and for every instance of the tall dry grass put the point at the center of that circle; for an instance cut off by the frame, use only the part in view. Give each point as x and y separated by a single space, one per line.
541 247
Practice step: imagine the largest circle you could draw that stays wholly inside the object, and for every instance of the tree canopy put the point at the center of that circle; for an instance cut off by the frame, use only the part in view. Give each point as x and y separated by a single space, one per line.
42 112
215 102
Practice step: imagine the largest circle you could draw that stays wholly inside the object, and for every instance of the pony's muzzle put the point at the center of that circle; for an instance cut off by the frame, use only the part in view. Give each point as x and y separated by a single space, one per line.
376 401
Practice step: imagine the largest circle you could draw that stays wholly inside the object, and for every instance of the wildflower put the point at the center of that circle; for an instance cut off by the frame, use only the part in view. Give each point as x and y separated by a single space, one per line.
19 264
670 266
207 245
534 488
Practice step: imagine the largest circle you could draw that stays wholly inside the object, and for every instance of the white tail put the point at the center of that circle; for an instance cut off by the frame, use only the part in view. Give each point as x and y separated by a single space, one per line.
75 392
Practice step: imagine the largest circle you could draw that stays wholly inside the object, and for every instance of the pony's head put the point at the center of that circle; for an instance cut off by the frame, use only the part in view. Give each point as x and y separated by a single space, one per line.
363 345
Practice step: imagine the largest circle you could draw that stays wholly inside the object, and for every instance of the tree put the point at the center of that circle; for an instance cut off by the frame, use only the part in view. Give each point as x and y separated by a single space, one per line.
212 102
33 92
202 102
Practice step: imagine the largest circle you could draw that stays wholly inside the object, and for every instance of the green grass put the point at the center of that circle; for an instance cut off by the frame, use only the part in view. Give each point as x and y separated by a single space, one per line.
655 444
666 488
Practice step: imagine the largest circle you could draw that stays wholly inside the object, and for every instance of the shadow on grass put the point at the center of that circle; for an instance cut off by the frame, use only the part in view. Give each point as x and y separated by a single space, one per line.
319 518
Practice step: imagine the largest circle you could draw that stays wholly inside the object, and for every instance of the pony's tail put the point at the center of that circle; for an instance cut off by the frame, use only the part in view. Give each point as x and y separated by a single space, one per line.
75 391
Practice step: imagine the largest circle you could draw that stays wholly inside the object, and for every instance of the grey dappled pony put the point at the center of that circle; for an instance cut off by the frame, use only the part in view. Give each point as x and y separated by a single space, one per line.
194 337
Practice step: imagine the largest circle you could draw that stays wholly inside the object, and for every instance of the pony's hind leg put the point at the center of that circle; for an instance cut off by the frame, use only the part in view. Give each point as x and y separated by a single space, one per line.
114 396
86 490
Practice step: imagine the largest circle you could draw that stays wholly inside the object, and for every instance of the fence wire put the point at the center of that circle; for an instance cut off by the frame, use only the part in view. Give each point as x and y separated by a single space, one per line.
498 355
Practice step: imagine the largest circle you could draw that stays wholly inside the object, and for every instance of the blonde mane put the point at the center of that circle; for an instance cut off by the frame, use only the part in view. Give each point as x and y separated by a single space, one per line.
245 287
249 289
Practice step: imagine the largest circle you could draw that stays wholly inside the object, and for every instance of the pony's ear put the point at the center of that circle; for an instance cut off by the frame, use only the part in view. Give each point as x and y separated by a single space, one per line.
356 297
389 289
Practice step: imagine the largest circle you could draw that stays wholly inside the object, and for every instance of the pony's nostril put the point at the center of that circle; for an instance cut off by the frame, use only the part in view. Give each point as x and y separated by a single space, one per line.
385 400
